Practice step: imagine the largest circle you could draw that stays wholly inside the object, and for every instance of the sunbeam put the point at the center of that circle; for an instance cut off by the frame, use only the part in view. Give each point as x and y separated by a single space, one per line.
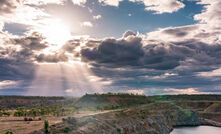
68 79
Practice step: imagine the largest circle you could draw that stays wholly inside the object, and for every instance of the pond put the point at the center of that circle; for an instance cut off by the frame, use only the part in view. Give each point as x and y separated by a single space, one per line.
197 130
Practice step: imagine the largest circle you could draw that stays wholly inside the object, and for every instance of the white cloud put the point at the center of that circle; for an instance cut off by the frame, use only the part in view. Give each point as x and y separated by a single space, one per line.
110 2
163 6
68 91
79 2
97 17
43 2
207 30
213 73
136 91
158 6
86 24
7 84
182 91
1 26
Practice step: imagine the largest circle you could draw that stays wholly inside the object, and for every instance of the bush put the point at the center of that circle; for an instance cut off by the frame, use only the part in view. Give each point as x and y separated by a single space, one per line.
46 125
25 119
66 129
9 132
119 130
70 120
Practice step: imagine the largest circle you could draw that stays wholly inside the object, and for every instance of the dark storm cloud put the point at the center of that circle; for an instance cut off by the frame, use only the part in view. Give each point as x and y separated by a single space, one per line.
133 52
7 6
17 64
115 52
32 42
132 62
52 58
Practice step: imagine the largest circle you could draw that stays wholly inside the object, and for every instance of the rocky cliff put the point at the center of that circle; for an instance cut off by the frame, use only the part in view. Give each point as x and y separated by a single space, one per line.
155 118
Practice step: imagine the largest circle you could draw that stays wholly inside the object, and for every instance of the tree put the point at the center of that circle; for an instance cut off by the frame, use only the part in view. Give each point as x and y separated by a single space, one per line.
46 125
9 132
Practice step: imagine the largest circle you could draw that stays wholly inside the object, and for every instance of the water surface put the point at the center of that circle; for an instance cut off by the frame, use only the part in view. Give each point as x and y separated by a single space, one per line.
197 130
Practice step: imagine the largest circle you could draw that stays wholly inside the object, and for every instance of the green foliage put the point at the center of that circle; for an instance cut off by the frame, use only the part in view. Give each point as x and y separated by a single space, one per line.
187 97
55 110
70 120
8 132
66 129
107 107
46 126
4 113
118 130
20 112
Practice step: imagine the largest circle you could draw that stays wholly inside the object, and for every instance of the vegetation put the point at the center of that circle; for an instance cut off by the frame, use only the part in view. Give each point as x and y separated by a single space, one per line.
55 110
66 129
4 113
9 132
187 97
70 120
207 106
111 101
46 126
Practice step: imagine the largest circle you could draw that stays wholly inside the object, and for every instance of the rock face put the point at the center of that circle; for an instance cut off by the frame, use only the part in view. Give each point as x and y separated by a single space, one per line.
153 118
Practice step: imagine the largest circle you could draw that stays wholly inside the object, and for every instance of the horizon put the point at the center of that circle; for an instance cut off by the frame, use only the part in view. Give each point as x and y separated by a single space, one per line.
74 47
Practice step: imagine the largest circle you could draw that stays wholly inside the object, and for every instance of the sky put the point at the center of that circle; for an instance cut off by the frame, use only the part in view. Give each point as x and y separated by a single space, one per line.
73 47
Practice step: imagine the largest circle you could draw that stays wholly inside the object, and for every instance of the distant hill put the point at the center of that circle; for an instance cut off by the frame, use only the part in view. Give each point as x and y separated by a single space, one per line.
114 100
13 102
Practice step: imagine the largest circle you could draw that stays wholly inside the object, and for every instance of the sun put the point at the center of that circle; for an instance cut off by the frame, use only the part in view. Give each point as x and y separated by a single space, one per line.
56 32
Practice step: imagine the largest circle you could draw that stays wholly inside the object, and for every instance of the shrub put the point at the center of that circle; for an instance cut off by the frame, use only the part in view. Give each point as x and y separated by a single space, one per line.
70 120
9 132
46 125
25 119
66 129
119 130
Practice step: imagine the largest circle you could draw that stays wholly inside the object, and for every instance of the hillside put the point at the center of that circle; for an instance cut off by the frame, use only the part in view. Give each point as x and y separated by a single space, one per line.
111 101
141 114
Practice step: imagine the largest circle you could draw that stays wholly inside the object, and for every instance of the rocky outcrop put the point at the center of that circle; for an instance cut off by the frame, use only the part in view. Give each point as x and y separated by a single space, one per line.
153 118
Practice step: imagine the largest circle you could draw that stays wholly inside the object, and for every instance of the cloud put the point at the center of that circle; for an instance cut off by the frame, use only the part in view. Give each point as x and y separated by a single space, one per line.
110 2
134 61
133 51
139 92
54 58
214 73
158 6
86 24
8 84
165 6
68 90
115 52
79 2
43 2
182 91
128 33
33 42
8 6
97 17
